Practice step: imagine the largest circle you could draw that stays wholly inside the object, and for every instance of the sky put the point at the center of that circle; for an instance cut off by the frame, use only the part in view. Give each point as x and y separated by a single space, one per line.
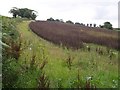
82 11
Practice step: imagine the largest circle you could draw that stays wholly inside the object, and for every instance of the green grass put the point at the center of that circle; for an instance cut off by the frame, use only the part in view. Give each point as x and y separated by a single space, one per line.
89 64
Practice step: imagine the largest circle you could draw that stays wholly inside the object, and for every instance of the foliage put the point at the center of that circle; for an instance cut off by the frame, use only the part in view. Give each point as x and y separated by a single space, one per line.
94 25
107 25
69 21
23 13
77 23
10 76
90 25
9 51
14 11
50 19
57 20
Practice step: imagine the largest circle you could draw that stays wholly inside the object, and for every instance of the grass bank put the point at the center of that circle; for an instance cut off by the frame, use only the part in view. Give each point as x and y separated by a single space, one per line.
66 67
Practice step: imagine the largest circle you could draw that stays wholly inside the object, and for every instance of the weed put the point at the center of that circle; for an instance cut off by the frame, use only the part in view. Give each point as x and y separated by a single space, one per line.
69 61
43 81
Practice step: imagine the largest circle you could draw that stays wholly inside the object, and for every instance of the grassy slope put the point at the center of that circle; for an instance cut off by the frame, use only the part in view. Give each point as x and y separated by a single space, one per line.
87 64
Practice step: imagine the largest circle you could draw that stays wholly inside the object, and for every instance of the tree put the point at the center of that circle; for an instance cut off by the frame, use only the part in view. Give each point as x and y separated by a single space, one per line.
69 22
107 25
61 20
57 20
50 19
94 25
14 11
23 13
77 23
81 24
90 25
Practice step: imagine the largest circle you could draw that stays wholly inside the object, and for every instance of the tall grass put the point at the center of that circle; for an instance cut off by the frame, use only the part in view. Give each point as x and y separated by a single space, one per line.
43 64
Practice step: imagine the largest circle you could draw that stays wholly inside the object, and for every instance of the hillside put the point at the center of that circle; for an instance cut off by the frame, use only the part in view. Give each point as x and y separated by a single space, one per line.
74 36
33 62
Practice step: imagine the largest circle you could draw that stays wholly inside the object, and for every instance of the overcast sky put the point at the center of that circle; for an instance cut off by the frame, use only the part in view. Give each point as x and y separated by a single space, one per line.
83 11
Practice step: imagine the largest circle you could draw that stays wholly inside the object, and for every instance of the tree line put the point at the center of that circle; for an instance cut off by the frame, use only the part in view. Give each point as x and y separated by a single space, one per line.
106 25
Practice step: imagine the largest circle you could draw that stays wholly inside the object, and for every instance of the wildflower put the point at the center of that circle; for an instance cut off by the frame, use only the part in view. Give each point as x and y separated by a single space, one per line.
30 48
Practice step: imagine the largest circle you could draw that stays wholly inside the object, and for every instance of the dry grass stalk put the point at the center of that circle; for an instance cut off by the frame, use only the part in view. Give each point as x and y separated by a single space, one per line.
43 81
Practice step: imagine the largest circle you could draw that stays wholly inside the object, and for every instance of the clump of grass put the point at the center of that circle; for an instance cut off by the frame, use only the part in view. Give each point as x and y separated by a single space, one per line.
99 51
69 61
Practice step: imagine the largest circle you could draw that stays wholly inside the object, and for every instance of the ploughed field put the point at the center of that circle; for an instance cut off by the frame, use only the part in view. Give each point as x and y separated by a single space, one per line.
71 35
